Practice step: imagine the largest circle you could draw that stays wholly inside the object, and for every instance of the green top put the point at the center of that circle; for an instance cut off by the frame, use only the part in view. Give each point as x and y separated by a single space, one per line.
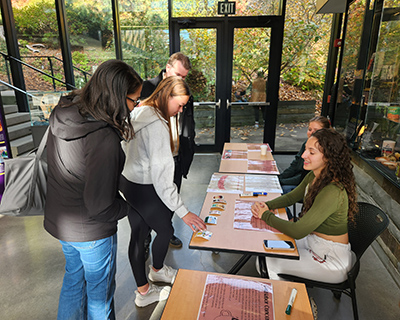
327 215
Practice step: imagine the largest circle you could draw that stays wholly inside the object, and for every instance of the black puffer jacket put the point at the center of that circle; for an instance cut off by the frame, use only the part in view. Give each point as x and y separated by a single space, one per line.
85 161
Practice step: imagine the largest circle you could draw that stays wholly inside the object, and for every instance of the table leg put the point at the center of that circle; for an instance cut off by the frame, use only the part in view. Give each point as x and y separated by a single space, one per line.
263 267
238 265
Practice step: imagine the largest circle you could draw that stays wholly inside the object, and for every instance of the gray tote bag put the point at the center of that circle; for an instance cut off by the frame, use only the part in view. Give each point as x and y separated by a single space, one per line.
25 183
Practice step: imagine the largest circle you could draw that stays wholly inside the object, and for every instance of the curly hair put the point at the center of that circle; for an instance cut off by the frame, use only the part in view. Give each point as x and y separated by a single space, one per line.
338 169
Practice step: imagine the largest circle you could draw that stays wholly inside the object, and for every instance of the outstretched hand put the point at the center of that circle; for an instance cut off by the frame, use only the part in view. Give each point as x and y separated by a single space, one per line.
194 222
258 208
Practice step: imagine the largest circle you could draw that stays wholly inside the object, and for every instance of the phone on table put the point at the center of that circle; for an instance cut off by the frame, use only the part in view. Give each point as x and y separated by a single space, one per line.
278 244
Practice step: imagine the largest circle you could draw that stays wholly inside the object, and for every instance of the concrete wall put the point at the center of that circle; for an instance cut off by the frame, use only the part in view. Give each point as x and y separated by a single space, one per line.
288 112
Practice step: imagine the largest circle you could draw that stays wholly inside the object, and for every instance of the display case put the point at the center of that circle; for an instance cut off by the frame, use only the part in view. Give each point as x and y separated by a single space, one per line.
379 139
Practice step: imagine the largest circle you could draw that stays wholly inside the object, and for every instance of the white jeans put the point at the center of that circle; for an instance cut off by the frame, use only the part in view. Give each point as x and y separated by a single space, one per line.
320 260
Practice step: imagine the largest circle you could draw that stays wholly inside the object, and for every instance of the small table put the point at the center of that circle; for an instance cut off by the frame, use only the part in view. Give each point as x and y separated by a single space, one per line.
237 158
187 293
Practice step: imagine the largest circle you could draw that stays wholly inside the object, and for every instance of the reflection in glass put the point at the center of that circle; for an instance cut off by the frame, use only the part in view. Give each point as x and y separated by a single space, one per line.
385 84
349 65
200 46
383 74
144 35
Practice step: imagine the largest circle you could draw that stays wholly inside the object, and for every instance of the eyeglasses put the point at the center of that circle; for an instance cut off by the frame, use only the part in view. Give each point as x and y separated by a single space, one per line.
135 102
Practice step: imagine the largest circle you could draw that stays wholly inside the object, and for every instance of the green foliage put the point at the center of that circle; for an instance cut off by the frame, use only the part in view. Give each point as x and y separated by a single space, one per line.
198 85
81 60
305 44
82 19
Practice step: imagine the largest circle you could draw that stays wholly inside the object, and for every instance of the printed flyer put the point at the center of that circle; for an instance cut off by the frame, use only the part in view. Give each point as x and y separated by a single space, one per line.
226 183
262 166
232 298
244 219
234 155
257 147
262 183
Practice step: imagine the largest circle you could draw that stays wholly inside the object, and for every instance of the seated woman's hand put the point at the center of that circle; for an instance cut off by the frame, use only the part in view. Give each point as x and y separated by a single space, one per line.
258 208
194 222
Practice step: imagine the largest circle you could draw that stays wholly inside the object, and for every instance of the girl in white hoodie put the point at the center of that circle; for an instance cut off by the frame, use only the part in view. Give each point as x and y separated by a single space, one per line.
148 186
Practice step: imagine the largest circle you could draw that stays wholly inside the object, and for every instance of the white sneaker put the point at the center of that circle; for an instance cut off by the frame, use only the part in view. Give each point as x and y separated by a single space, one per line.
166 274
155 293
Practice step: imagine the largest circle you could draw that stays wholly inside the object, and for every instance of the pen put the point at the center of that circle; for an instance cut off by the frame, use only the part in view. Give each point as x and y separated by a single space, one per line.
291 301
260 193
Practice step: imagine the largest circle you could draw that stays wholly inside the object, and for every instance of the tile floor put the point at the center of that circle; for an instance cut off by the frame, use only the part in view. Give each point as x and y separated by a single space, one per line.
31 266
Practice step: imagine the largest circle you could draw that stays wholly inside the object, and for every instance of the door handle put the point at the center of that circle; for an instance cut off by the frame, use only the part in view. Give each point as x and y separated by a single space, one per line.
228 104
217 104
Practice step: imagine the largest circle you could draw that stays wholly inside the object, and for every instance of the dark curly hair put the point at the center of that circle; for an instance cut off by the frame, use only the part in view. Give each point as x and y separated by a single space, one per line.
338 169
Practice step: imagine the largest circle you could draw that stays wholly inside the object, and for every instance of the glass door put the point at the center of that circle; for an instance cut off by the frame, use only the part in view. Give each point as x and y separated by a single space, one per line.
200 45
248 101
231 61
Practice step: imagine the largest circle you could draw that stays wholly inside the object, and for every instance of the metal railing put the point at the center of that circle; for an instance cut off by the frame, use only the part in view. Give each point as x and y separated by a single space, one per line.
7 59
15 88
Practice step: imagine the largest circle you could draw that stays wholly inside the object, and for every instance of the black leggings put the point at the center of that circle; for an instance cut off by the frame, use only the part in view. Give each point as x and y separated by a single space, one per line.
149 213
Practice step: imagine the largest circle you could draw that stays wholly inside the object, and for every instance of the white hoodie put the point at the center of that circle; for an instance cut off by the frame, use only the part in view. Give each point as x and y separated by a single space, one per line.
149 158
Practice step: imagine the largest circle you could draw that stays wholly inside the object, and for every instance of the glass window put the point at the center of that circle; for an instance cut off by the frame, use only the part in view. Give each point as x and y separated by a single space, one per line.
204 8
380 143
37 32
144 35
348 73
304 57
91 36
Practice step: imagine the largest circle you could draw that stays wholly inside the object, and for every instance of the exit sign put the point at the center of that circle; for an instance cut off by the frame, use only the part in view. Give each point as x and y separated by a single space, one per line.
228 7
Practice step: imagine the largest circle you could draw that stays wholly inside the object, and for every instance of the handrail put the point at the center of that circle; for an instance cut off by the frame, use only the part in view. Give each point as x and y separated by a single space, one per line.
36 69
15 88
208 103
85 73
243 103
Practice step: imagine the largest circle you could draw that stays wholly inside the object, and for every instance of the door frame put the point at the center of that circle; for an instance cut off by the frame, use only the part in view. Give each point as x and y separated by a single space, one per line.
225 27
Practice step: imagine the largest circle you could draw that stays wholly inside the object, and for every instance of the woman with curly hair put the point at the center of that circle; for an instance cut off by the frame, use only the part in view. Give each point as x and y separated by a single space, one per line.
329 194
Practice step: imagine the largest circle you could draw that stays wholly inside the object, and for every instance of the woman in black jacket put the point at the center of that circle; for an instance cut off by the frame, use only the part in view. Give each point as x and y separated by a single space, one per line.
85 161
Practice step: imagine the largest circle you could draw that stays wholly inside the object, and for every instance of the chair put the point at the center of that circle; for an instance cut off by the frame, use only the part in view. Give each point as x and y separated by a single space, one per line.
370 222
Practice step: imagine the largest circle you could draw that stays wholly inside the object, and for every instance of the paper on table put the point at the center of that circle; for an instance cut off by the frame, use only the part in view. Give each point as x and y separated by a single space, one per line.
244 219
262 183
224 183
262 166
235 298
257 147
234 155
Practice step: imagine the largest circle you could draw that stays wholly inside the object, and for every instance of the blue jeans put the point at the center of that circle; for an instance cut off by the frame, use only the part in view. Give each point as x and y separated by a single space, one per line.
89 281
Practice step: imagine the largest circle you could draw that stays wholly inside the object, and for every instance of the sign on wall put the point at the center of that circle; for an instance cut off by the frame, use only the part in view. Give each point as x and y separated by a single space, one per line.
227 7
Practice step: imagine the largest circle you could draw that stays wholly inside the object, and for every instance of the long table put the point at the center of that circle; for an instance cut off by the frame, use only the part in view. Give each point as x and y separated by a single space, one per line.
187 292
226 238
238 158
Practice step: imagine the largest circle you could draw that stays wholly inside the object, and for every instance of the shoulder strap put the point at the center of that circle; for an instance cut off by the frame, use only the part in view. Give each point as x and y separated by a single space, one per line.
43 143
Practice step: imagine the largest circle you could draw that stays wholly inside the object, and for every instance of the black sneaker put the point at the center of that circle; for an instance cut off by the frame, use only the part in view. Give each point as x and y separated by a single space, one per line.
175 242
